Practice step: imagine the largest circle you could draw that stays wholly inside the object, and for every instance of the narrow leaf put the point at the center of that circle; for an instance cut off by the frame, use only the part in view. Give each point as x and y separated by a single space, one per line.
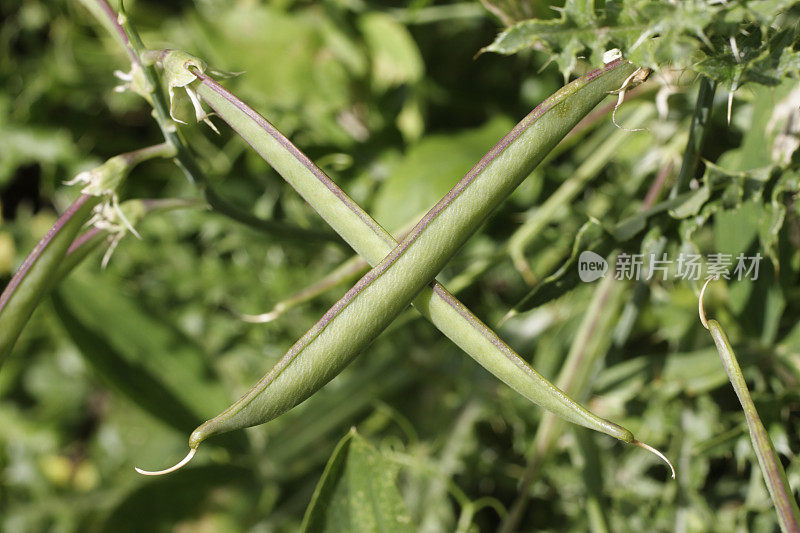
141 356
130 379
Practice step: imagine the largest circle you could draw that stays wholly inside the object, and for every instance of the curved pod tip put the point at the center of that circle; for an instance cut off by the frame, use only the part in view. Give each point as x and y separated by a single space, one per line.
171 469
658 453
700 308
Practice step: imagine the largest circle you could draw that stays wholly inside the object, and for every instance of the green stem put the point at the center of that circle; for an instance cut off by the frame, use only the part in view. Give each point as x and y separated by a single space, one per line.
127 35
347 271
279 230
163 150
697 133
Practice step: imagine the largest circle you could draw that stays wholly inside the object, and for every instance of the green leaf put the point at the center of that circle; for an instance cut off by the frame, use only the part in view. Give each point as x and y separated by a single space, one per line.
691 205
357 492
129 378
736 229
161 504
394 54
730 42
581 11
430 169
148 352
628 227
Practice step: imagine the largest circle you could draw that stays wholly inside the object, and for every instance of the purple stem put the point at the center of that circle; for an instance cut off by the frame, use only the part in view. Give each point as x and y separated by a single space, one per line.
112 19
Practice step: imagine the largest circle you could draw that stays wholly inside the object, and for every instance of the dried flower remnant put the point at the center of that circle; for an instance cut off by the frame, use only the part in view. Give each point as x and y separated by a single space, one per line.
103 181
178 68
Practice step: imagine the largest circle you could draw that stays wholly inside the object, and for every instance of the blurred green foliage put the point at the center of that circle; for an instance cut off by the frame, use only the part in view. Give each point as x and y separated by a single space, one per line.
391 101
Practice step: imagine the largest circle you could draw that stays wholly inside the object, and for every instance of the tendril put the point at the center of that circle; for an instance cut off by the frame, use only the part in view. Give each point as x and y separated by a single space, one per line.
171 469
656 452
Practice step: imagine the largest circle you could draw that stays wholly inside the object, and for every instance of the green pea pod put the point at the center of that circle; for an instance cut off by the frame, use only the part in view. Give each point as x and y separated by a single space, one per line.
35 276
771 467
443 309
348 327
40 270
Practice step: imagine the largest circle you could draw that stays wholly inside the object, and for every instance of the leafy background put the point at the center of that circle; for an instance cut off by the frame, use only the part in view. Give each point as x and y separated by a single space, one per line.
390 99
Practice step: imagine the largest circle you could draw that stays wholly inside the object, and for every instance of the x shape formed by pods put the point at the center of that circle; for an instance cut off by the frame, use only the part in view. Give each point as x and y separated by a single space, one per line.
403 272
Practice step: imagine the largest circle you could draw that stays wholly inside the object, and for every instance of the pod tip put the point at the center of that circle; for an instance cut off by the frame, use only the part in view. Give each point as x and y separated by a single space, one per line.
181 464
656 452
700 309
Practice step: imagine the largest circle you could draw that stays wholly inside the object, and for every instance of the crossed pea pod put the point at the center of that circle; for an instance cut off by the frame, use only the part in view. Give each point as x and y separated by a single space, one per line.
402 272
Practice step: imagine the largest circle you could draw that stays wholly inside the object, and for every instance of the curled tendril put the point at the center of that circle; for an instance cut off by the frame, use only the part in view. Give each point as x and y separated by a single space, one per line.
700 308
171 469
657 453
